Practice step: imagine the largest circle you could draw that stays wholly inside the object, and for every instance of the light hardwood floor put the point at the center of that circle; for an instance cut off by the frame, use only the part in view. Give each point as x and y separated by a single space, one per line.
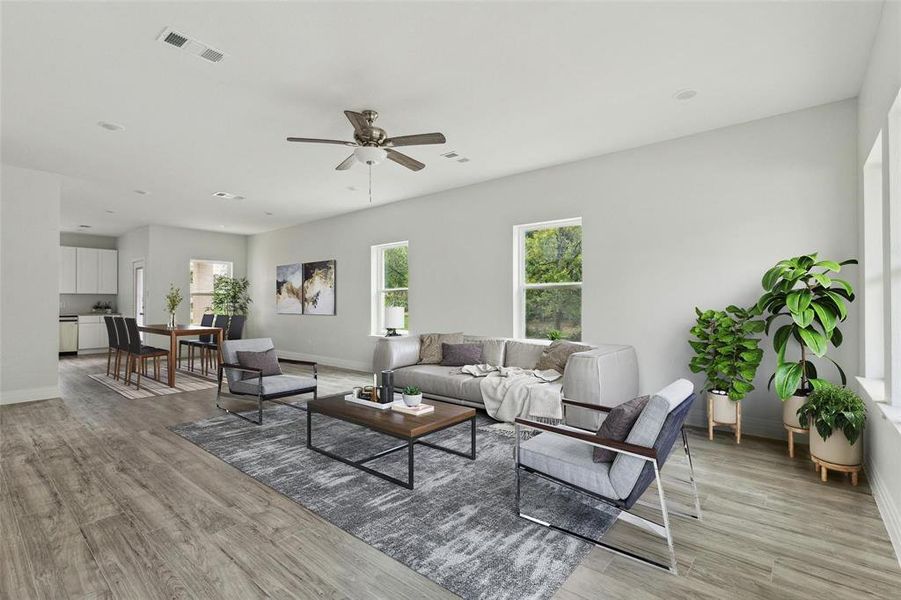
98 499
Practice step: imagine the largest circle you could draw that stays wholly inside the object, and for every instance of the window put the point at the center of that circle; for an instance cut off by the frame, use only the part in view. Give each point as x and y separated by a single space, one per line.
390 283
202 274
548 271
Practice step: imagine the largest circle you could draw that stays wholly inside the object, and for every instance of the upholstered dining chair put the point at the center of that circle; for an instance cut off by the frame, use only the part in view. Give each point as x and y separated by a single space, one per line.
139 353
271 388
564 454
113 342
121 344
206 320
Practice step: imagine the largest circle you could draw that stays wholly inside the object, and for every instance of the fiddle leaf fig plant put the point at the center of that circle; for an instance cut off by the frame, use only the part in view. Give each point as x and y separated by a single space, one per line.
805 293
726 350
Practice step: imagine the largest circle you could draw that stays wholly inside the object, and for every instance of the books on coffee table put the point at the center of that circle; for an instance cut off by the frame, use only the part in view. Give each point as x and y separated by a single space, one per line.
370 403
420 409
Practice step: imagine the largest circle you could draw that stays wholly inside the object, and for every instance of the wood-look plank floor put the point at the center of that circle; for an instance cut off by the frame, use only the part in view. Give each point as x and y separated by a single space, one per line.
99 500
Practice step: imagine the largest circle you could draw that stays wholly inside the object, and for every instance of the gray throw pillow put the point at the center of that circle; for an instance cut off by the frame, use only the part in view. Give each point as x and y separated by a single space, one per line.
430 346
557 353
458 355
618 424
267 361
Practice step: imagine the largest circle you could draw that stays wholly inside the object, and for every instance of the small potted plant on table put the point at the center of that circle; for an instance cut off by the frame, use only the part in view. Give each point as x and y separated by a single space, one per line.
726 352
838 416
412 395
173 299
806 292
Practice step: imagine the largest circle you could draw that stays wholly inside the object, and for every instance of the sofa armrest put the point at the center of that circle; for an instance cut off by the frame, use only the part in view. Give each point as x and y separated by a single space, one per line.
604 376
395 352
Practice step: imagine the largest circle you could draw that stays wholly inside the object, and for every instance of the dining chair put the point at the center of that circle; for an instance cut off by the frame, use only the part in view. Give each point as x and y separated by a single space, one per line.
207 348
138 353
205 321
122 343
236 327
113 344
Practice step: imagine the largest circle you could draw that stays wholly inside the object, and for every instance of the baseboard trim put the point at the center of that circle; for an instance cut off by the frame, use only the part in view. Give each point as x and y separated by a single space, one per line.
29 395
766 428
888 508
329 361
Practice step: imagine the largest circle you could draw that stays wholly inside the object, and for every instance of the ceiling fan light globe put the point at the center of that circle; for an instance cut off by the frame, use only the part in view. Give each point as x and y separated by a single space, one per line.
369 155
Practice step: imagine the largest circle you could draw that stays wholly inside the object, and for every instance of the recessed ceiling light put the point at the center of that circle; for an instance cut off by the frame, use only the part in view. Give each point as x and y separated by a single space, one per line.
110 212
351 188
142 192
268 213
686 94
84 226
228 196
110 126
222 227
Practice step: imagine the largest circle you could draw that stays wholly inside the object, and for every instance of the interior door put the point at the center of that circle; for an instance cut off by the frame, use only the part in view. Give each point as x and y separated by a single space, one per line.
138 268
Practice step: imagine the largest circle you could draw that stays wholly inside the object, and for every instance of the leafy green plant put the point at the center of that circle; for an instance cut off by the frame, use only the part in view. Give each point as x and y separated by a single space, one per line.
412 390
830 408
230 295
173 298
806 292
726 350
554 334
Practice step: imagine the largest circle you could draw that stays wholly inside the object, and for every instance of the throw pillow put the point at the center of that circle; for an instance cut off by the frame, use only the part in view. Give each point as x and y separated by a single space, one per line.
267 361
458 355
618 424
430 346
557 353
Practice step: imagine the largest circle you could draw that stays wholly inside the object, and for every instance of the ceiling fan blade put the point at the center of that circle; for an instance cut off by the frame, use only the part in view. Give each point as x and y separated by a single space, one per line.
318 141
420 139
404 160
346 163
357 120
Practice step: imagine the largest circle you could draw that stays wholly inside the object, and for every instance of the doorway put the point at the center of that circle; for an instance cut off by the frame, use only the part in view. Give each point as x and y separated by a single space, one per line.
138 271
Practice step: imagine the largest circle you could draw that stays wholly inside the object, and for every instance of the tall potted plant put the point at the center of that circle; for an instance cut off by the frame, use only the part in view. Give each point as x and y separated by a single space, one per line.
727 352
230 296
805 293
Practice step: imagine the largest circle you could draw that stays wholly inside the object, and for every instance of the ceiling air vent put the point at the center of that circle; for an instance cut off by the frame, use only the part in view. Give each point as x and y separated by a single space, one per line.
191 45
228 196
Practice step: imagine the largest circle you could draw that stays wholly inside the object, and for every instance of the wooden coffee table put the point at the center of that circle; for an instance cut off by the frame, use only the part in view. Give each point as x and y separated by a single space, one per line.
411 429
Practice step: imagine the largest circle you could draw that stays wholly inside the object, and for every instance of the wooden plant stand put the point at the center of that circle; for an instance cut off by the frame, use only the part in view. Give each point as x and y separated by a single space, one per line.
736 427
823 468
791 438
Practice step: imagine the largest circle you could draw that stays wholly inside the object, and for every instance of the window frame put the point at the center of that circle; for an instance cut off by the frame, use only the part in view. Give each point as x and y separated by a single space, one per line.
379 291
519 270
192 294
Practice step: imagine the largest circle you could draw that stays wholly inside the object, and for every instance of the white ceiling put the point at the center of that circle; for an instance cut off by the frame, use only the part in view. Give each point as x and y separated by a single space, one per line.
514 87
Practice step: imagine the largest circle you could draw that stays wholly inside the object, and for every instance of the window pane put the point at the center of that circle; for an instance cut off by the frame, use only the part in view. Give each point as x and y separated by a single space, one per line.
553 255
398 298
554 309
396 269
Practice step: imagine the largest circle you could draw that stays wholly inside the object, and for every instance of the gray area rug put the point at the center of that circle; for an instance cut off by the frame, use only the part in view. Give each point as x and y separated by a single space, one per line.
458 527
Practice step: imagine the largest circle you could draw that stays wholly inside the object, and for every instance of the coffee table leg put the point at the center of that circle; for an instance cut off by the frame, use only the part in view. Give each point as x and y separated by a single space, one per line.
309 429
410 464
472 452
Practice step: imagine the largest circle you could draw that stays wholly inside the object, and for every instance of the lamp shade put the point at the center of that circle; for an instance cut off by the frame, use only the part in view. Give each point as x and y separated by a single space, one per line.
394 317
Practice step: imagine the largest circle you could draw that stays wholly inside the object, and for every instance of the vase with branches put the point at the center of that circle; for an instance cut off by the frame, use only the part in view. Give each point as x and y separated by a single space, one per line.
173 300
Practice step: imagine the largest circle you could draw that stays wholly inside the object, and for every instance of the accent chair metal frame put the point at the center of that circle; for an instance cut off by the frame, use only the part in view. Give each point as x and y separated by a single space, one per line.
649 455
260 396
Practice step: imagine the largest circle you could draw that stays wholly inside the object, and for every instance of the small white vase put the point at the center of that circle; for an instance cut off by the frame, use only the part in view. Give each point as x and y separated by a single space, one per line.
836 450
413 400
790 408
171 319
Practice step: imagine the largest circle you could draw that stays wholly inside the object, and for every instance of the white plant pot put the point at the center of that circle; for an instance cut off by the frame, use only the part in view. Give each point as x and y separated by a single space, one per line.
412 400
836 449
725 411
790 408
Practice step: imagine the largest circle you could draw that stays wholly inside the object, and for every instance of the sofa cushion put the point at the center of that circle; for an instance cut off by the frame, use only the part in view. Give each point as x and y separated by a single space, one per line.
430 346
569 460
492 348
618 424
557 353
523 354
438 380
274 384
457 355
266 360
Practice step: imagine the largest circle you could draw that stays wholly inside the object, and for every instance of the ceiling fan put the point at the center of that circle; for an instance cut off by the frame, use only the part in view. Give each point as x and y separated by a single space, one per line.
372 145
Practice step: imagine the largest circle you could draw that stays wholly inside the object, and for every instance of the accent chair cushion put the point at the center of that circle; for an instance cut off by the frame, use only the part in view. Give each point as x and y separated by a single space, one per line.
230 354
567 459
618 424
457 355
430 346
275 384
265 360
523 354
556 355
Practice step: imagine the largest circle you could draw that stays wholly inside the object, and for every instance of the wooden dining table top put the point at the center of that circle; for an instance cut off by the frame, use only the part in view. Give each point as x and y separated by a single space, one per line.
183 329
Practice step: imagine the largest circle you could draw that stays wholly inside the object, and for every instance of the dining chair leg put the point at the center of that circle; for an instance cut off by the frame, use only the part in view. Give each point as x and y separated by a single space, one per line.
143 366
109 356
127 375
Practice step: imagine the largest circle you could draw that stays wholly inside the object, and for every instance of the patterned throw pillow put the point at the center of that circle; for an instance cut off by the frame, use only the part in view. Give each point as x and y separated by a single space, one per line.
557 353
268 361
618 424
458 355
430 346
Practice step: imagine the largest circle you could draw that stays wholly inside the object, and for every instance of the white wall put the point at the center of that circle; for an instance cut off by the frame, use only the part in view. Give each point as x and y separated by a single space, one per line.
29 285
883 435
167 252
694 221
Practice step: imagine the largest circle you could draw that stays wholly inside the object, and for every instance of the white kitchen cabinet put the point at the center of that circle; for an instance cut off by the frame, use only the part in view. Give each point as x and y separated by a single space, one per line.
87 270
67 270
91 333
109 272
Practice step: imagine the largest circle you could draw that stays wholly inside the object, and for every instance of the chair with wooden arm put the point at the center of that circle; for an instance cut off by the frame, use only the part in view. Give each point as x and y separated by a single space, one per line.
265 388
564 454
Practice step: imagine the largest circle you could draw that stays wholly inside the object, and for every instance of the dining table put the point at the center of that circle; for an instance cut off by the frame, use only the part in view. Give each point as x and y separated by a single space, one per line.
176 331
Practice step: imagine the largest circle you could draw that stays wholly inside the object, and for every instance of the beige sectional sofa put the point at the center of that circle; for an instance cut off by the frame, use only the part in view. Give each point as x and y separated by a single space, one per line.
605 375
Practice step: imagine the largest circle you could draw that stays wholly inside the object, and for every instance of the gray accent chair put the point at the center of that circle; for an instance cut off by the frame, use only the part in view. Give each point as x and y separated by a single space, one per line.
270 388
564 454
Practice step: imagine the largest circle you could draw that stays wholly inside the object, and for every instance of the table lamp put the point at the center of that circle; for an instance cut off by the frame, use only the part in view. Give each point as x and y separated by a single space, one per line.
394 320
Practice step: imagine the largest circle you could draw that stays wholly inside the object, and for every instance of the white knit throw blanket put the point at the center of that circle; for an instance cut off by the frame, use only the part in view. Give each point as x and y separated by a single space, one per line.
510 392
